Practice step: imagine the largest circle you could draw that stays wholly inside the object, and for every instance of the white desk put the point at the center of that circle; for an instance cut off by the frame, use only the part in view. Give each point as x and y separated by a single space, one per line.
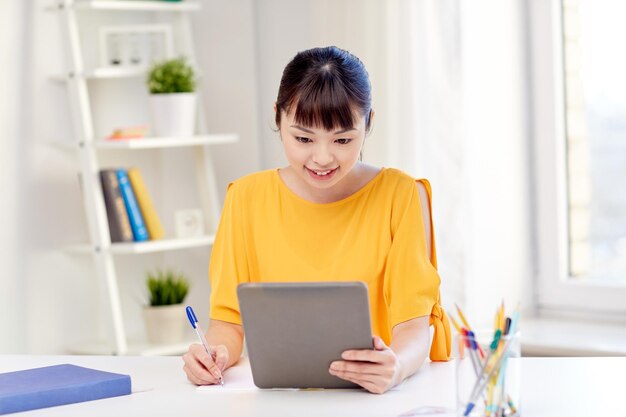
551 387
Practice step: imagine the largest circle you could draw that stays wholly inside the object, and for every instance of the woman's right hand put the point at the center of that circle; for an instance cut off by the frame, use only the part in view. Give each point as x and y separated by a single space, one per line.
201 368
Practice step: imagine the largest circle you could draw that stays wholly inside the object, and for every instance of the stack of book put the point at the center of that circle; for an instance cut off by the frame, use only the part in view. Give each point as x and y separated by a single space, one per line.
131 214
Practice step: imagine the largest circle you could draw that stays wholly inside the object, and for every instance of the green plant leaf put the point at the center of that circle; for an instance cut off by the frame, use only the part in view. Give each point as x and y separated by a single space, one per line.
166 287
171 76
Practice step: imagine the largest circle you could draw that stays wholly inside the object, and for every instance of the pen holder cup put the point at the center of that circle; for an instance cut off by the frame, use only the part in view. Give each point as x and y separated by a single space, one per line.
487 383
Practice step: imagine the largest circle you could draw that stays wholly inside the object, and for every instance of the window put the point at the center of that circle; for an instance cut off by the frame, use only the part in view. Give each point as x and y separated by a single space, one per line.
595 116
579 129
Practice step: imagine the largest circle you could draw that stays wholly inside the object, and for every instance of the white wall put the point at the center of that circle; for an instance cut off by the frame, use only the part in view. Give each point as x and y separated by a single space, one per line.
11 288
225 41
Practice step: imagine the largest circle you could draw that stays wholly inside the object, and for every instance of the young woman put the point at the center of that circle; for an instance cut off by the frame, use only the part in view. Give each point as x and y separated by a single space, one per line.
329 216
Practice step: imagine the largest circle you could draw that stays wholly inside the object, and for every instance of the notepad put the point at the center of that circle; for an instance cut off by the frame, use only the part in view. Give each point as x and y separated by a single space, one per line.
57 385
236 378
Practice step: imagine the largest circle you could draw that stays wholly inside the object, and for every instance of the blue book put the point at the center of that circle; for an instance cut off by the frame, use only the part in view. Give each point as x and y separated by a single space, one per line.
57 385
140 232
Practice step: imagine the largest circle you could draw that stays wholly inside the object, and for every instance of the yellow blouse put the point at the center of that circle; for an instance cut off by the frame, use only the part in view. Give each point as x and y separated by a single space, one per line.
376 235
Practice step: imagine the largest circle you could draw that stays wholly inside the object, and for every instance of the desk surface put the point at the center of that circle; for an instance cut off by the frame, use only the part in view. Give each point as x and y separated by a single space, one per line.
551 387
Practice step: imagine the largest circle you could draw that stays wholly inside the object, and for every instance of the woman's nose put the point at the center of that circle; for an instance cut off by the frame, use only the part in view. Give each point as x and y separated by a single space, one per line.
322 156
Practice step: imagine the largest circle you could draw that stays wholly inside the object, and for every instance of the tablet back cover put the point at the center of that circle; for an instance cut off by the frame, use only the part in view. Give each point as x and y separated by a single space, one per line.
294 331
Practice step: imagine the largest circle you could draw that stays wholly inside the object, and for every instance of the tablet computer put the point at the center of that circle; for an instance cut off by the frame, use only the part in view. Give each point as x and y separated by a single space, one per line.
293 331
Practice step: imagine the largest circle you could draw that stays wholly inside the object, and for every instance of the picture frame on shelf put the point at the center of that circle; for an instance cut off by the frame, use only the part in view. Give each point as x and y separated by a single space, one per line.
189 223
135 46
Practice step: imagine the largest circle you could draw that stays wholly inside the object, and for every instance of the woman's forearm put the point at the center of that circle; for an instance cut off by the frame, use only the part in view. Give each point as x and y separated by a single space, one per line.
229 335
410 343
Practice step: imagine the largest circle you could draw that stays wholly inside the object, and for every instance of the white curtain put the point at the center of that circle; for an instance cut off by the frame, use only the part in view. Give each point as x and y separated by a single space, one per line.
412 52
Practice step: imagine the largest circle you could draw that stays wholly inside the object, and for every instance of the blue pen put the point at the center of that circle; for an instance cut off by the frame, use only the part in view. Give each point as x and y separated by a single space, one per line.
196 326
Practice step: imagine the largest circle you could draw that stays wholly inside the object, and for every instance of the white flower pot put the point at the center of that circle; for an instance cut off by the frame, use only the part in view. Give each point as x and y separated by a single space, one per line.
173 114
165 324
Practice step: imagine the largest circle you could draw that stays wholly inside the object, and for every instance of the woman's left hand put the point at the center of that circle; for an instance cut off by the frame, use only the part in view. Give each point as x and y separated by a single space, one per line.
375 370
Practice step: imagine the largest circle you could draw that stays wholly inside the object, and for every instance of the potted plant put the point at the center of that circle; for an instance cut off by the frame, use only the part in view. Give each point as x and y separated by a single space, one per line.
165 314
172 85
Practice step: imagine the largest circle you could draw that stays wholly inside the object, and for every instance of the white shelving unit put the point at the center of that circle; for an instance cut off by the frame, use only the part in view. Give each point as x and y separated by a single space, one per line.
79 80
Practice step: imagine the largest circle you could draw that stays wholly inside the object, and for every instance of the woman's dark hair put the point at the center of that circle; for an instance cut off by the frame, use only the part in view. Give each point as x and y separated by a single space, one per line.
326 86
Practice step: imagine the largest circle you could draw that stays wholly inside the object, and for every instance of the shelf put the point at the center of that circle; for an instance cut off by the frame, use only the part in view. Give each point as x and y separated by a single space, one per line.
152 246
117 72
110 73
103 73
136 5
165 142
154 143
134 348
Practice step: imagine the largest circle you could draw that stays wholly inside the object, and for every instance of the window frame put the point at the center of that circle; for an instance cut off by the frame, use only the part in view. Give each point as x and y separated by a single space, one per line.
554 290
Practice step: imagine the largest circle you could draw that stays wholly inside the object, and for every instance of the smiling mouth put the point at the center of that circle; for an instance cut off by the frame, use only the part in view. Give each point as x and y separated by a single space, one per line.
322 173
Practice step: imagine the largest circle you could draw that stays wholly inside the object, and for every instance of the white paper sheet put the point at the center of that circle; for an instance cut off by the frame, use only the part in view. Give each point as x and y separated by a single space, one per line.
236 378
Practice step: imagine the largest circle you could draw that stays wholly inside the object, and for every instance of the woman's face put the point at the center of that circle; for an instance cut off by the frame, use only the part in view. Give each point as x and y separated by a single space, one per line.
320 157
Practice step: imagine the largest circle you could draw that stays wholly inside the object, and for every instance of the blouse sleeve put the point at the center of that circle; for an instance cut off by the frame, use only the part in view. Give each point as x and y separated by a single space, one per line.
411 282
228 265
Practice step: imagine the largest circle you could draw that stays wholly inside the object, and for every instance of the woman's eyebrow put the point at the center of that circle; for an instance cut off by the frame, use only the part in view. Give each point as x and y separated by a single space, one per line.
302 128
344 130
312 132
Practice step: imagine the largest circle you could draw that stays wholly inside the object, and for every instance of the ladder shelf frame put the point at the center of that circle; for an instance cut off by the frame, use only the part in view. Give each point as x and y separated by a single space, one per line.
101 248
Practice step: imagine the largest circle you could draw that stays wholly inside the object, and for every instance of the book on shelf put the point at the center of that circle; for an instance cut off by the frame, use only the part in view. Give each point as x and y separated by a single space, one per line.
140 232
117 215
50 386
150 217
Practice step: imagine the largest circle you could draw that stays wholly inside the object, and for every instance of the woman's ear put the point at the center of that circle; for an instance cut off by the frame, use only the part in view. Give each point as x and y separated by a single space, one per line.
277 125
371 121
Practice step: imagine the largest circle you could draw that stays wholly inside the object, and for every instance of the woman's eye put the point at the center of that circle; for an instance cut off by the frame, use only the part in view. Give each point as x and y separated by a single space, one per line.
302 139
343 141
